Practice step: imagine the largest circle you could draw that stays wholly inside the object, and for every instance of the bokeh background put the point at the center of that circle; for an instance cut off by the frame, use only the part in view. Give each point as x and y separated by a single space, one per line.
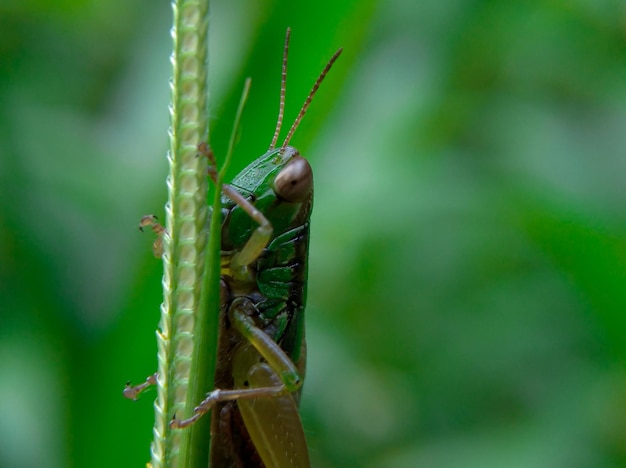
467 302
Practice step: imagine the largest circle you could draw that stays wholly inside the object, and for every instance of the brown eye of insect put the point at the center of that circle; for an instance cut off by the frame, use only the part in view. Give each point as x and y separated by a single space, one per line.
295 182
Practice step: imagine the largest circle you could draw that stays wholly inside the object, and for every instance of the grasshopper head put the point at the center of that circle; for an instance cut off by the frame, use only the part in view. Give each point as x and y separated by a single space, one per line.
294 182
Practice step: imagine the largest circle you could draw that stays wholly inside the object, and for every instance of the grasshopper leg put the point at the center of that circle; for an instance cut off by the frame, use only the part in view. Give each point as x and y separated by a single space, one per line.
132 392
247 360
261 235
151 221
258 240
269 411
219 395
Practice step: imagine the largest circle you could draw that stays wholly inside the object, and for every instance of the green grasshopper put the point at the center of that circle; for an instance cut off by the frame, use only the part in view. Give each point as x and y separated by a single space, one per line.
261 351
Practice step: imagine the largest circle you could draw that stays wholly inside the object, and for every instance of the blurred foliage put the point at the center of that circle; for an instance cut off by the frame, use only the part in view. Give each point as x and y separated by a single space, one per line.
467 300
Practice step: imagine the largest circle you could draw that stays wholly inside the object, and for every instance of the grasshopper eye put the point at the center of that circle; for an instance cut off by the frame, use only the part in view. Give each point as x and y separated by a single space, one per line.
295 182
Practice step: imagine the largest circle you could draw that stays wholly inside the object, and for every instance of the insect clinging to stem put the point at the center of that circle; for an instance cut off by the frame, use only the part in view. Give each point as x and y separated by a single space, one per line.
265 219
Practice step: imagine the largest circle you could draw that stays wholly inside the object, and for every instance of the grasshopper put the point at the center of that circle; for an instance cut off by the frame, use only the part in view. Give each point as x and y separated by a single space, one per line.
261 355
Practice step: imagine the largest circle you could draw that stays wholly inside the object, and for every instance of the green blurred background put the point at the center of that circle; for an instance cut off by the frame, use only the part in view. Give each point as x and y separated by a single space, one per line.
467 300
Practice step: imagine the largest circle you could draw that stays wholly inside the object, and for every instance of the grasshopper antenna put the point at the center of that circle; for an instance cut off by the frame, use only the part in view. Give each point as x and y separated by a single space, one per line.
283 90
309 98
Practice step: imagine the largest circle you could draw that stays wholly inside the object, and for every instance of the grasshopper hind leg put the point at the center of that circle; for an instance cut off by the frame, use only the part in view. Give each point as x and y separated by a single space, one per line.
265 382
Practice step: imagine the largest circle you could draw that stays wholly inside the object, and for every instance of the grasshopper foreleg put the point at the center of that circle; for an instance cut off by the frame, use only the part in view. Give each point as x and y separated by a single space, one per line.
261 235
259 238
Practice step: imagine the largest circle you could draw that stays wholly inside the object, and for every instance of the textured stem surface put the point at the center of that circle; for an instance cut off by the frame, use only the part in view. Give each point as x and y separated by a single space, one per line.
185 242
